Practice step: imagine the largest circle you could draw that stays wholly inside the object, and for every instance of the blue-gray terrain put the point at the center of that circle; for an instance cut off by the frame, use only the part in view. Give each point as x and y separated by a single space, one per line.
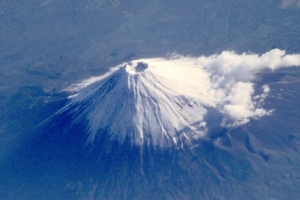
48 45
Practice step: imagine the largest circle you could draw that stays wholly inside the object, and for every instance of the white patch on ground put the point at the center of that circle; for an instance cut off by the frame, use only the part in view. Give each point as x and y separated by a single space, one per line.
288 3
46 2
95 4
165 101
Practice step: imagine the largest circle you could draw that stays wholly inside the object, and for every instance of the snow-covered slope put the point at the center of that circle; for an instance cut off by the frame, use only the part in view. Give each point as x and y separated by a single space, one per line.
148 102
165 102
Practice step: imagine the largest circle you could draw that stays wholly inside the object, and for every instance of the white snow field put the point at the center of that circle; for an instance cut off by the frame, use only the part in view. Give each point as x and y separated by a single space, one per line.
166 101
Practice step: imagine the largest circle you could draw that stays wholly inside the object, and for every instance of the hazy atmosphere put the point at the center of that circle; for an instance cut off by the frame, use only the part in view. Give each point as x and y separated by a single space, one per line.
140 99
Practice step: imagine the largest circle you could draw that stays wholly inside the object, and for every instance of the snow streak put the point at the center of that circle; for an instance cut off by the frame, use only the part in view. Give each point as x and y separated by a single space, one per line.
167 102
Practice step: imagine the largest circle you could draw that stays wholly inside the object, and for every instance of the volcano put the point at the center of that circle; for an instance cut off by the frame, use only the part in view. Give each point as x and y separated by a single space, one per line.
147 101
166 128
175 101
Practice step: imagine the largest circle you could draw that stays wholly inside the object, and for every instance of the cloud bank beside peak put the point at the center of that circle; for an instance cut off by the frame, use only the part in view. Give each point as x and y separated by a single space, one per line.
233 77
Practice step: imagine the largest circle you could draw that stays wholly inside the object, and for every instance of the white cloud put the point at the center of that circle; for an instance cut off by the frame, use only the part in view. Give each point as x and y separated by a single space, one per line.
172 94
241 106
235 74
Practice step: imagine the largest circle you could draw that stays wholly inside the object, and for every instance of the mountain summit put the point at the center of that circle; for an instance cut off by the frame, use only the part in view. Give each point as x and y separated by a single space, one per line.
165 102
149 101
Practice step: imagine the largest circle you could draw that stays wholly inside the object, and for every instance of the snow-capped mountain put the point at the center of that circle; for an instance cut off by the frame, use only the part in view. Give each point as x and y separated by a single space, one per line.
165 102
148 101
167 128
